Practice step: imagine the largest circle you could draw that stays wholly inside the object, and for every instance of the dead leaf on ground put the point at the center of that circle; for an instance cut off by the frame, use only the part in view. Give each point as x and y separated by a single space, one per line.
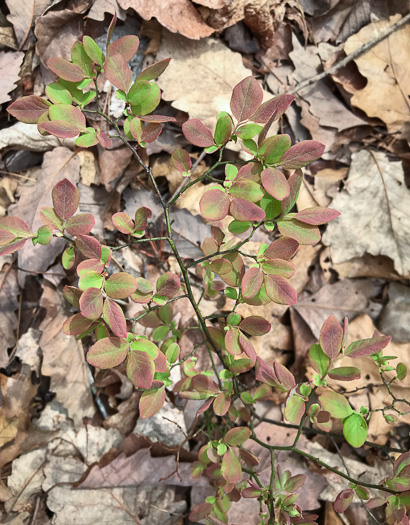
385 228
100 7
26 136
395 317
8 307
10 63
22 16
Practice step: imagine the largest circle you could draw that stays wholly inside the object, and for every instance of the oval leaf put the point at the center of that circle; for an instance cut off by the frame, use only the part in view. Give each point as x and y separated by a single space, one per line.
108 352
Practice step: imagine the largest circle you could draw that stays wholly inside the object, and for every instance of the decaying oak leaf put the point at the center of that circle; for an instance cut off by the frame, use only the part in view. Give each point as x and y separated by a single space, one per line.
374 212
10 63
22 17
386 94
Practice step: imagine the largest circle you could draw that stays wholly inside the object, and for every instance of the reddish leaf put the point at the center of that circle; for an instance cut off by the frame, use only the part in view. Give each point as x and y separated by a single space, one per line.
255 325
151 402
247 347
252 282
279 290
331 337
142 215
108 352
117 71
157 119
89 246
275 183
295 183
91 303
246 189
168 285
367 346
317 215
197 133
275 107
203 383
237 436
222 403
65 69
302 233
69 114
50 218
66 198
126 46
76 324
200 512
221 266
160 362
29 109
272 149
123 222
90 265
282 248
72 295
246 98
214 205
232 342
80 224
140 369
154 70
285 377
279 267
104 139
231 469
343 500
302 154
12 228
60 129
114 317
345 373
242 210
120 285
151 132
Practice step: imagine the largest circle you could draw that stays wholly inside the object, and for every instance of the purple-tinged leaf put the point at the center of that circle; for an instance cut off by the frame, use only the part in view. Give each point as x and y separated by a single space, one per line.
126 46
60 129
72 295
91 303
118 72
221 266
222 403
151 132
243 210
294 409
65 69
246 189
140 369
111 29
237 436
343 500
50 218
279 267
203 383
294 483
151 402
282 248
250 171
142 215
29 109
336 404
279 290
295 183
302 154
197 133
231 469
200 512
345 373
331 337
246 98
154 70
247 347
160 362
302 233
123 222
66 198
234 278
80 224
114 317
318 359
143 293
367 346
76 325
104 139
255 325
252 282
285 377
168 285
265 373
214 205
218 235
275 183
120 285
90 247
317 215
157 119
69 114
90 265
232 342
12 228
272 148
275 107
251 493
108 352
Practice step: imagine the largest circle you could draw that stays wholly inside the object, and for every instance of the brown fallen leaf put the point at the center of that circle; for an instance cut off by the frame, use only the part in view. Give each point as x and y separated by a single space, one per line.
385 228
100 7
180 16
8 307
10 63
112 164
386 94
26 136
394 319
22 15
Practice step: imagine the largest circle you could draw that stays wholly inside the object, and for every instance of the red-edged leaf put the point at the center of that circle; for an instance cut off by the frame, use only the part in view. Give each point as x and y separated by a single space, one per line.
120 285
295 183
197 133
243 210
200 512
279 267
76 325
317 215
275 183
232 342
275 107
237 436
221 266
72 295
80 224
279 290
246 189
111 29
157 119
168 285
60 129
140 369
160 363
285 377
265 373
343 500
151 132
123 222
294 409
117 71
345 373
29 109
89 246
65 69
282 248
252 282
214 205
91 303
151 402
302 154
336 404
331 337
203 383
114 317
222 403
126 46
69 114
247 347
108 352
50 218
154 70
272 148
90 265
255 325
367 346
12 228
142 215
104 139
246 98
66 198
302 233
231 469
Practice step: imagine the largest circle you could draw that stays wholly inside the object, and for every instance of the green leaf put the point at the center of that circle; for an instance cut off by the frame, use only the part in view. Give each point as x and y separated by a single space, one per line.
90 280
345 373
318 359
272 148
246 189
355 430
68 114
44 235
336 404
248 131
143 345
68 257
303 233
144 97
108 352
238 226
237 436
151 402
58 94
231 469
82 60
223 130
93 51
120 285
87 140
294 409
